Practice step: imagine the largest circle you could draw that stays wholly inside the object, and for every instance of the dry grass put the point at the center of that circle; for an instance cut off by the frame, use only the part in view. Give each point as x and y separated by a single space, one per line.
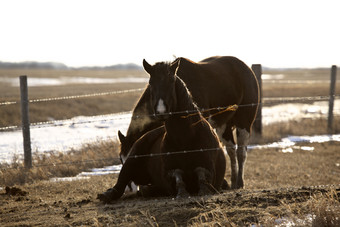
58 164
278 184
297 90
278 191
10 115
106 153
305 127
75 204
271 168
325 209
65 109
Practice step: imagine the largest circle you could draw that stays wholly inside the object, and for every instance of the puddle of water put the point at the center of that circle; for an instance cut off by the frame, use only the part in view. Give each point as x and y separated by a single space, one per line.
272 76
285 221
287 145
69 134
101 171
293 111
60 179
115 169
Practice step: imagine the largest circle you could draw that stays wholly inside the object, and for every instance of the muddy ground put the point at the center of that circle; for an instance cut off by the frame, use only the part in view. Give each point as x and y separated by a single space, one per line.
300 187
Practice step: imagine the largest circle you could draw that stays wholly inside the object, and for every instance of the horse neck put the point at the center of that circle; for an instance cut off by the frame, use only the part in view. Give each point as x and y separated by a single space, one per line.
187 114
141 121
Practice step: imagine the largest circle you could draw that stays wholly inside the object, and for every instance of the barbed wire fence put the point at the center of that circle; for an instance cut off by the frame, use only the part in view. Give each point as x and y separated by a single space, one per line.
55 123
123 115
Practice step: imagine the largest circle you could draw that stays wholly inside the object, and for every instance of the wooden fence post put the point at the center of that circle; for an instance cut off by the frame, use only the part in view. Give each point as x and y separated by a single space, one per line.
331 100
25 122
257 69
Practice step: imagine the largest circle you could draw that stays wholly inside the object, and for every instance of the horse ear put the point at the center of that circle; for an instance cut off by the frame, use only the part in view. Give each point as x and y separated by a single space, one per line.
174 67
121 137
147 66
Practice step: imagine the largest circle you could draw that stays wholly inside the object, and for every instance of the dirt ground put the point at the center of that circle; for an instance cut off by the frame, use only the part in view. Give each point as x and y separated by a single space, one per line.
300 187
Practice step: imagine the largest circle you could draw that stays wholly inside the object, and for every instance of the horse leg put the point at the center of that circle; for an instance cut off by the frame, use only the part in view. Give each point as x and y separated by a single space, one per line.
242 143
204 181
125 176
229 142
180 185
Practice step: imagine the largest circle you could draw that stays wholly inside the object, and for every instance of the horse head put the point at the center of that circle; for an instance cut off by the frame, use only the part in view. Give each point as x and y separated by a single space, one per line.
125 146
162 87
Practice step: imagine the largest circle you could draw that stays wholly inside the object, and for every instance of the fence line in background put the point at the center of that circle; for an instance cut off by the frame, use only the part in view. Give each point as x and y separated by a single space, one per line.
25 122
331 100
135 156
257 69
86 95
266 102
131 156
7 103
258 123
74 96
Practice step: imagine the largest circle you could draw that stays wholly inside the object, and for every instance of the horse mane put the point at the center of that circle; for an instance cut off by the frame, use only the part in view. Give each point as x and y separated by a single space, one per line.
165 65
161 67
184 95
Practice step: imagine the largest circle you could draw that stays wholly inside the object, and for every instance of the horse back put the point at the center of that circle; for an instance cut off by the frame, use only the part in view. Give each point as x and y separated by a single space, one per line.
226 79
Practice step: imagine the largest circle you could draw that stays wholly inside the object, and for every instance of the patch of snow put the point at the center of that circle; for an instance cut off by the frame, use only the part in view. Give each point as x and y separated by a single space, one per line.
70 134
67 135
297 111
59 179
272 76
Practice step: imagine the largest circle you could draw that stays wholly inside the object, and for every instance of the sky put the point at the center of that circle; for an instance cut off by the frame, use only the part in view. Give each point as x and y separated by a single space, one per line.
274 33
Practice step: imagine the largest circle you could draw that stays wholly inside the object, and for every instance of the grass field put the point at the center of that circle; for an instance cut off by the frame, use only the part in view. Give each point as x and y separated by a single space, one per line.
279 186
65 109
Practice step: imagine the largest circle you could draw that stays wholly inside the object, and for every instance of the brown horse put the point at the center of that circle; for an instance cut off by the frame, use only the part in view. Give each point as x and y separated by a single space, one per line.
213 82
180 158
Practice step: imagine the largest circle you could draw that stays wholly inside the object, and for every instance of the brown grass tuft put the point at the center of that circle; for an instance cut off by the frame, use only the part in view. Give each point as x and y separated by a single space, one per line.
325 209
58 164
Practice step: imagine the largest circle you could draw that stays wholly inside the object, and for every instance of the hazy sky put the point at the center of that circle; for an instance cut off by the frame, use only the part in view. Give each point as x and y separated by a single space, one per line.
275 33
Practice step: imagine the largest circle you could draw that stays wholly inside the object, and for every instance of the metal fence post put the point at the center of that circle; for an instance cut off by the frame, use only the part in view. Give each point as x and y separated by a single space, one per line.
25 122
257 69
331 100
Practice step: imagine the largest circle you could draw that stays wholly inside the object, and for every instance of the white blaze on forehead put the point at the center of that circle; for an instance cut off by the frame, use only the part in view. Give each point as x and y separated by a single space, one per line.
160 106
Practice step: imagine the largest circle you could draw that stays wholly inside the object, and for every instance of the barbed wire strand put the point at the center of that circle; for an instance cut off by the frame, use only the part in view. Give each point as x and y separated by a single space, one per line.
86 95
6 103
138 156
271 101
131 156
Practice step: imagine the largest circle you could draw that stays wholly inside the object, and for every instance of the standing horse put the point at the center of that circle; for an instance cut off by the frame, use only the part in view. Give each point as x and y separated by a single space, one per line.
187 157
213 82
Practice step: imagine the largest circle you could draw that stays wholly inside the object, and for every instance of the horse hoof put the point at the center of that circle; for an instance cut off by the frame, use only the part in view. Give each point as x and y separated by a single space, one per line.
107 196
182 195
239 185
225 185
103 198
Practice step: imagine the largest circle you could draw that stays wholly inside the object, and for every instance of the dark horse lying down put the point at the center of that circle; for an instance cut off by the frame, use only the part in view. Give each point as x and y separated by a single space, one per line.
213 82
170 170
